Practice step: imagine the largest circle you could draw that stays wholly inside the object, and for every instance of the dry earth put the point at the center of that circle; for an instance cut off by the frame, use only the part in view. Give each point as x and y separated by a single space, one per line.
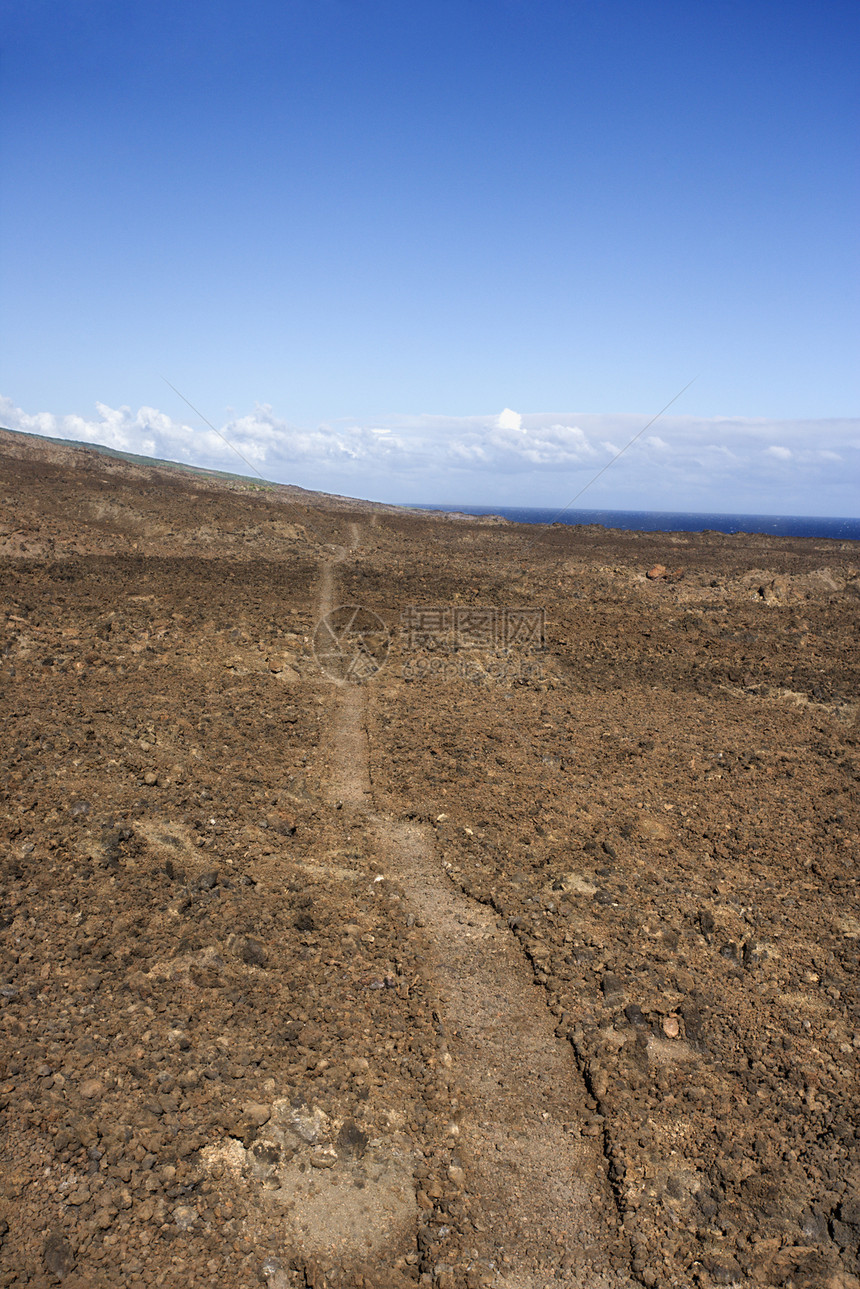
463 965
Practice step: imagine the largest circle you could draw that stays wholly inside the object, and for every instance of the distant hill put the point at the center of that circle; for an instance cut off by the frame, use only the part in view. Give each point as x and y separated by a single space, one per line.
135 458
81 455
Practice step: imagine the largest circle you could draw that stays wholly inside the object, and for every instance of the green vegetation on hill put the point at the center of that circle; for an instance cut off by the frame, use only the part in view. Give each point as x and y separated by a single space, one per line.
134 458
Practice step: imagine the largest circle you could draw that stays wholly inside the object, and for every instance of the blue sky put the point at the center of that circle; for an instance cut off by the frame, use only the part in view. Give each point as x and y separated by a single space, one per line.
352 232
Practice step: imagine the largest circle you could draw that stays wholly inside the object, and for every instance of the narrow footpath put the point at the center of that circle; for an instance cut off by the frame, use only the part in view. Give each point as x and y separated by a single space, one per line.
523 1144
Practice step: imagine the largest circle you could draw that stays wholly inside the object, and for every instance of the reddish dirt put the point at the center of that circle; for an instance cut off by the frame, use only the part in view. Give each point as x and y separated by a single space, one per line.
499 968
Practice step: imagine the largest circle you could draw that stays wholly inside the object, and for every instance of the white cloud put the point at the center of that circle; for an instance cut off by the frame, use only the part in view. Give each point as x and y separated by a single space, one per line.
270 444
695 463
510 420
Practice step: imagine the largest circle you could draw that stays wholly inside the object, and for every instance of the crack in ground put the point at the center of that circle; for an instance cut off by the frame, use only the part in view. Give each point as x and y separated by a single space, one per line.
518 1102
612 1164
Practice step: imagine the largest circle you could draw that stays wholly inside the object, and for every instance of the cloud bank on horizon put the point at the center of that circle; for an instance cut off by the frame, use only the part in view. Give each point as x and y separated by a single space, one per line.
720 464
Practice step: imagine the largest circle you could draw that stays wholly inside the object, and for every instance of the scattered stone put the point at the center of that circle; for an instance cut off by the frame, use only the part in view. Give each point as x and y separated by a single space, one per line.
310 1125
613 989
253 953
57 1255
256 1113
635 1015
185 1216
351 1140
274 1275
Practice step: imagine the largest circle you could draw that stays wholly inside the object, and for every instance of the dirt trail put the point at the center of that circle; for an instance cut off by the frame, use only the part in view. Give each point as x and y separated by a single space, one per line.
350 778
526 1148
326 590
350 769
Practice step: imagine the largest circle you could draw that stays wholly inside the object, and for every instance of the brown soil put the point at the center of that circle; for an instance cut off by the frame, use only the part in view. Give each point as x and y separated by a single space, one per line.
499 968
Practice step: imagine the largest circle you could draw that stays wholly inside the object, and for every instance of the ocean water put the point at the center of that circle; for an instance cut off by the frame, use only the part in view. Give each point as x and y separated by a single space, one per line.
667 521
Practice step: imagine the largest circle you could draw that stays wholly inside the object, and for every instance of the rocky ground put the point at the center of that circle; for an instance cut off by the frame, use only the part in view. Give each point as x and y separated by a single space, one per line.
530 959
